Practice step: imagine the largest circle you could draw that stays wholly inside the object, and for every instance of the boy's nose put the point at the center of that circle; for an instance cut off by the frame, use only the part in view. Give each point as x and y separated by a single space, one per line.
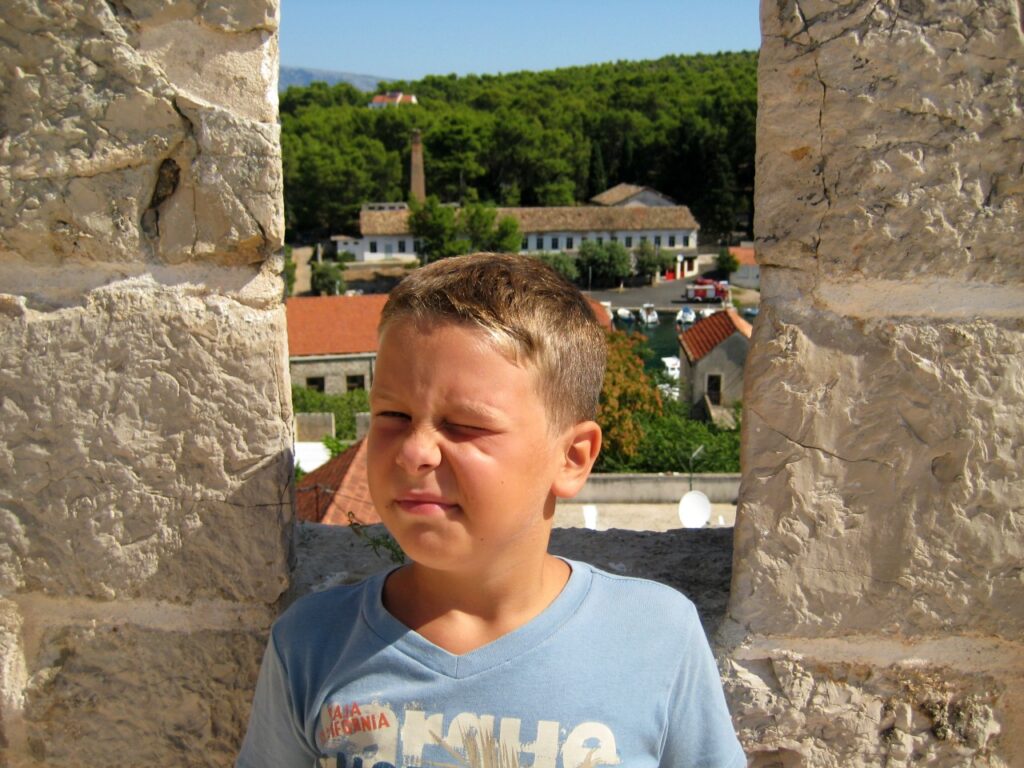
419 451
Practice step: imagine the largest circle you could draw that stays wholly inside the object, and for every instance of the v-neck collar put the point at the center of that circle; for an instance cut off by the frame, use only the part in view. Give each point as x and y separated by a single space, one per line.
493 654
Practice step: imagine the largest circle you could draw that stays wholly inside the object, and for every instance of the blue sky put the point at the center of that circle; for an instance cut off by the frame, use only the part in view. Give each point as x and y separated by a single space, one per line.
412 38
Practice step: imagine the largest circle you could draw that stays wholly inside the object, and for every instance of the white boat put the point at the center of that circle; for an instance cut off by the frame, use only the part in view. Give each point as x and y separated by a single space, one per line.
624 315
686 316
671 366
649 315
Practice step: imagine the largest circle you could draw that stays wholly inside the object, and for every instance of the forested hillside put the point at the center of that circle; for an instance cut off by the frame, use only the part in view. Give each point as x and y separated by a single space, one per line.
681 124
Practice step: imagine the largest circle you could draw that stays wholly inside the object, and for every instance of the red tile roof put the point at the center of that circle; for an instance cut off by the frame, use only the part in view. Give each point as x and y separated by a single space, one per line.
340 325
333 325
743 255
704 335
567 218
328 493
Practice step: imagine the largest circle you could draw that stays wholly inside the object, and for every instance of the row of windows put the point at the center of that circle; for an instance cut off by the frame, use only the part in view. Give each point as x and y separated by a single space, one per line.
555 243
627 241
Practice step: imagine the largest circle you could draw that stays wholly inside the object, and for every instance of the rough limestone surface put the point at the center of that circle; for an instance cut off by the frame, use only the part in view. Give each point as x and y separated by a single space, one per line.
145 414
877 602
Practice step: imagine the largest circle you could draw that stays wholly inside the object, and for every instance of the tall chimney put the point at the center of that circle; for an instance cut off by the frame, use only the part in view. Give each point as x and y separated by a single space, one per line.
417 183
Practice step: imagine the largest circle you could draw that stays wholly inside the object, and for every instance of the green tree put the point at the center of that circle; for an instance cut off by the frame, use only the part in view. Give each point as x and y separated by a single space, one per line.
327 279
562 263
650 260
446 231
726 263
604 264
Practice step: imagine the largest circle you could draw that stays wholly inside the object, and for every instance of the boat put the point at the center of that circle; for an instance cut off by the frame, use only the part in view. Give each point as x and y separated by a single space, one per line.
624 315
671 366
649 315
686 316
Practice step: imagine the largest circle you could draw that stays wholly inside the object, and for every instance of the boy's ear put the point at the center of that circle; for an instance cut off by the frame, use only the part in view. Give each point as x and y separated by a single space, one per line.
582 443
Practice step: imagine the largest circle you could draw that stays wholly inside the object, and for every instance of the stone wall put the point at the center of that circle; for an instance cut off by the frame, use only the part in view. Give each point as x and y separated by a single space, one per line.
144 408
877 602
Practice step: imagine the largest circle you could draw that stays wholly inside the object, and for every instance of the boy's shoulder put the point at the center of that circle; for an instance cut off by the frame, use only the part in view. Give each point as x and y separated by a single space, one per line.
332 607
636 599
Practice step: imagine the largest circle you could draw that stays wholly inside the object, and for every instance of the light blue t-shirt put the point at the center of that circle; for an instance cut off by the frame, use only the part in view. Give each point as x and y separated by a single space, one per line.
616 671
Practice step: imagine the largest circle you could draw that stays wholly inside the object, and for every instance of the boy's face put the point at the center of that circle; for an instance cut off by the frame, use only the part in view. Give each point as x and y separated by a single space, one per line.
460 457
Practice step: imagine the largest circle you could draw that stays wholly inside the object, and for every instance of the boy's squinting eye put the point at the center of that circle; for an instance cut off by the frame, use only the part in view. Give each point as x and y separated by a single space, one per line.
391 415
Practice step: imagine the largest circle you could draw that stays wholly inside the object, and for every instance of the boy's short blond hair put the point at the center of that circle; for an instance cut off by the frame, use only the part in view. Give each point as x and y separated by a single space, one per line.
531 313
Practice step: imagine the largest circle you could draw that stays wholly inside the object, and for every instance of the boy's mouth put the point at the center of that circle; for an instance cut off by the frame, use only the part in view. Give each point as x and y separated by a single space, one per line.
425 505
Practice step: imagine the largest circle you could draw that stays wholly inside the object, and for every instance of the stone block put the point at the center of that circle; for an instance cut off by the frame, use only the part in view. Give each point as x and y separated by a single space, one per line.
882 488
125 696
135 155
797 709
890 138
145 446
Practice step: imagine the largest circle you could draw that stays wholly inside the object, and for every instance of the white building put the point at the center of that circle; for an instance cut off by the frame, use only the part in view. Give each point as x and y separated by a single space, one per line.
385 233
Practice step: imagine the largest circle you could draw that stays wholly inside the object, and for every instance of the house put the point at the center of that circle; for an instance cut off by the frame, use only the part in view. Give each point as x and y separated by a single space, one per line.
748 273
713 353
385 232
631 194
332 341
329 493
392 99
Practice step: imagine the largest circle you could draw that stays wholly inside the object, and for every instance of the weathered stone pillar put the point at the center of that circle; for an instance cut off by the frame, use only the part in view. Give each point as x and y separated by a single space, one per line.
144 406
878 588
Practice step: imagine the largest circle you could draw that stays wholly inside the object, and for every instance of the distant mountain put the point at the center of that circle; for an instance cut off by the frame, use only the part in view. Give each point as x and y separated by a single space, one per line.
301 76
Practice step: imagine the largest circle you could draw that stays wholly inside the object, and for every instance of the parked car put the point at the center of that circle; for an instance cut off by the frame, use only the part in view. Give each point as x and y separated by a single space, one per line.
686 316
750 312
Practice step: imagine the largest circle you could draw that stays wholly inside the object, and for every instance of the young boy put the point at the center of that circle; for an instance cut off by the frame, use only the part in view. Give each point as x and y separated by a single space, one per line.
486 651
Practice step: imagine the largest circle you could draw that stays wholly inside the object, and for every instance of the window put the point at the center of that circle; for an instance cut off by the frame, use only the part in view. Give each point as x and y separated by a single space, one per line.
583 239
643 238
315 383
540 243
401 246
657 241
554 243
671 241
600 240
714 389
568 243
373 246
629 241
614 238
355 382
526 244
686 241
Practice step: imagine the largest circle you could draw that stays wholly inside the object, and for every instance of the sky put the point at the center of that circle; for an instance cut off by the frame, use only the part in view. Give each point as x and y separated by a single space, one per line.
408 39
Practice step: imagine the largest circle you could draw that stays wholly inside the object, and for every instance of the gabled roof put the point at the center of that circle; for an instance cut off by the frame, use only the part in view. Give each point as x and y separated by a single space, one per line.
623 192
328 493
347 325
617 194
579 218
744 255
333 325
704 335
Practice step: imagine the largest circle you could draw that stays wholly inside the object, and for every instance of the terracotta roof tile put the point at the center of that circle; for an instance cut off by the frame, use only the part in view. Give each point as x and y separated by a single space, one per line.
704 335
333 325
743 255
569 218
328 493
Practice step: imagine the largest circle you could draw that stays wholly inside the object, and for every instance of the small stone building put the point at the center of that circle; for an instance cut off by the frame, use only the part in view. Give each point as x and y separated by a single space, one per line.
332 341
713 353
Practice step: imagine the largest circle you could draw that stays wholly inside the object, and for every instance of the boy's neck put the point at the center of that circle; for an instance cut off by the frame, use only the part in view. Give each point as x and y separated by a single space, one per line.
461 611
